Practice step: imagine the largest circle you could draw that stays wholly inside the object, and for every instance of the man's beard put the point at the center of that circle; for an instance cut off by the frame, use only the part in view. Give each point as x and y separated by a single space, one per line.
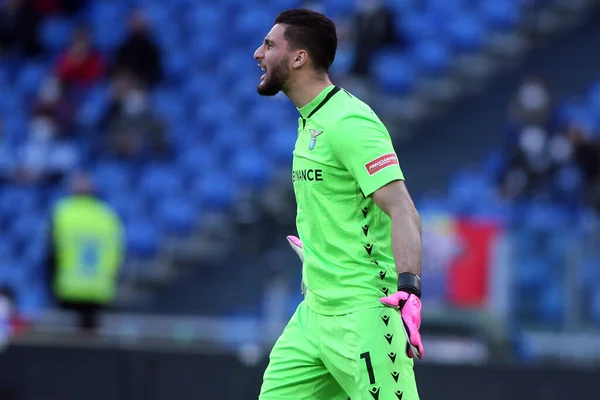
275 80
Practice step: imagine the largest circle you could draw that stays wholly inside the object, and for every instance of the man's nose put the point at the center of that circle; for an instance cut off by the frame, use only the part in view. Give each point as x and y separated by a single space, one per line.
258 54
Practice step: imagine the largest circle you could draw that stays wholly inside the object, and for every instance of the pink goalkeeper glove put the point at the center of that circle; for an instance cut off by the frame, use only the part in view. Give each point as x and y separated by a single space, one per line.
409 306
296 245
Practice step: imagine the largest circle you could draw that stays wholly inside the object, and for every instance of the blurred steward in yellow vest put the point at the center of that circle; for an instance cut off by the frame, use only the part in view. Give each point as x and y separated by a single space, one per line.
87 252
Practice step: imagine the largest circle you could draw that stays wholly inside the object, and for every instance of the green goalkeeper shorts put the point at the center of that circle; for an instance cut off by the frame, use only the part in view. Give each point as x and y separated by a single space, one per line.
361 356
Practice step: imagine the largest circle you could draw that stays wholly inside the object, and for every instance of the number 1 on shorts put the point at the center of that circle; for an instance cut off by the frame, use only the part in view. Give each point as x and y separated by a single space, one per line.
367 357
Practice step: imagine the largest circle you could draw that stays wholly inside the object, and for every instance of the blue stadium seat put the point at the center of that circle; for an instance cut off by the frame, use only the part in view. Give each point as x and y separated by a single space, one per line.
95 104
467 33
251 169
168 106
8 162
544 217
580 114
34 254
336 9
33 298
128 207
14 125
493 209
251 26
468 189
167 35
15 200
432 57
433 204
158 14
201 86
522 241
417 26
231 66
11 101
159 181
30 77
568 180
280 146
27 226
176 63
229 140
55 32
142 239
216 112
205 18
551 305
400 6
177 216
445 8
244 86
107 23
6 249
260 116
493 165
531 273
559 245
279 5
501 16
204 54
213 192
112 177
197 160
12 273
394 73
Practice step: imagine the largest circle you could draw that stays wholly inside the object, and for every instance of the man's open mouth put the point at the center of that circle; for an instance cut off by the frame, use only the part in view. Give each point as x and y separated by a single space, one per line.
262 78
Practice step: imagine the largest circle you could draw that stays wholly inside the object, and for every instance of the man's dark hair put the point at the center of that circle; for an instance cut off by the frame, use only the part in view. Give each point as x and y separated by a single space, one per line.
312 31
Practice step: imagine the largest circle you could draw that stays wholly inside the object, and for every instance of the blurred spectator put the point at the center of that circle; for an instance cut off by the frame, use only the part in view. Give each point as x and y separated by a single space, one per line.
133 129
587 154
19 27
534 150
373 28
45 158
533 161
80 65
10 319
53 104
533 104
138 54
86 252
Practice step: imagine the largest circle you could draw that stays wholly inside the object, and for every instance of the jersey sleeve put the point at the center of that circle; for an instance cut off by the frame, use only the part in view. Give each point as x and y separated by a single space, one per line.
365 149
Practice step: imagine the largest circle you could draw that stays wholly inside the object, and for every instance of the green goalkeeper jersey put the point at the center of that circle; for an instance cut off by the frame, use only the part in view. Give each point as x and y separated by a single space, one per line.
342 155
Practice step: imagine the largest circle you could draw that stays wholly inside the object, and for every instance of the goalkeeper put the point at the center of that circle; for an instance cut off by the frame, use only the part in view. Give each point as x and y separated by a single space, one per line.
357 331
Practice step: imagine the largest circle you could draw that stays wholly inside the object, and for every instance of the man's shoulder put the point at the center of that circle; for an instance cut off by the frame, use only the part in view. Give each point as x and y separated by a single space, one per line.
348 109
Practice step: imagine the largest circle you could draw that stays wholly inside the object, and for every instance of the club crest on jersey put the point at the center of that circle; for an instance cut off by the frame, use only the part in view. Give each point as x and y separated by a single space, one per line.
313 138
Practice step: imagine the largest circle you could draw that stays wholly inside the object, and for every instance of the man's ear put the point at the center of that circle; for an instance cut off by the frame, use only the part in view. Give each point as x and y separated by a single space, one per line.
300 59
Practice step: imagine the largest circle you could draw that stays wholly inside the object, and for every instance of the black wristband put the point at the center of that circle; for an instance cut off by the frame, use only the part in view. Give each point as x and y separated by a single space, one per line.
409 283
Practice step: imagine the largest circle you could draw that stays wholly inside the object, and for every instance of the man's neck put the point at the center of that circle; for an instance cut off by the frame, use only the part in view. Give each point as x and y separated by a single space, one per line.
303 91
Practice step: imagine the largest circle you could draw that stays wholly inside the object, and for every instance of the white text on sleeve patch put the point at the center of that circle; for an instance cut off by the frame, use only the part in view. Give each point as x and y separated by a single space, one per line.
380 163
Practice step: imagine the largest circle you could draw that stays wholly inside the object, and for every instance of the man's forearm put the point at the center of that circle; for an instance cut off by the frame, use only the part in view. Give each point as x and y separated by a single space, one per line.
406 242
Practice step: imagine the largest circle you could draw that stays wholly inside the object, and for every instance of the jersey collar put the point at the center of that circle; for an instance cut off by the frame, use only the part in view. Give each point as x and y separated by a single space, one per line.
308 110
